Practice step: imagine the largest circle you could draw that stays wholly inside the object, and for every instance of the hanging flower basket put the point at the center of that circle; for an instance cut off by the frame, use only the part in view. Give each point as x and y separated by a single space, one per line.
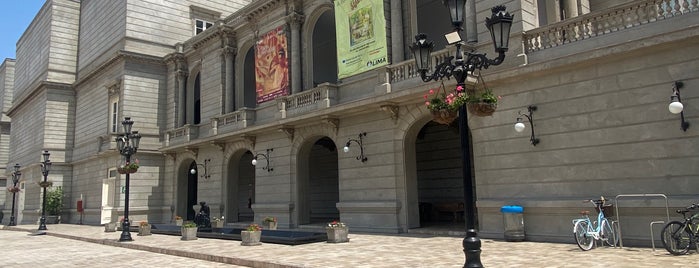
128 167
13 189
444 116
481 108
127 170
481 101
44 184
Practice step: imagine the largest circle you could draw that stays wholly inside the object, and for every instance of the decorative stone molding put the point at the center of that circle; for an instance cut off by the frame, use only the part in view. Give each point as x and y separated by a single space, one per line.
220 145
295 19
333 122
114 88
250 139
289 131
193 151
392 110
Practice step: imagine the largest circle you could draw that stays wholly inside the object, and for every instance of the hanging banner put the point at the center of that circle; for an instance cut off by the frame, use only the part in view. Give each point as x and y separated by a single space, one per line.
360 27
271 66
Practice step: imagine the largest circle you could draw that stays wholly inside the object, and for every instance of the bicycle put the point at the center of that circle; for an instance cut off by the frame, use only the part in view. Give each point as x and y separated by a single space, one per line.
585 231
678 236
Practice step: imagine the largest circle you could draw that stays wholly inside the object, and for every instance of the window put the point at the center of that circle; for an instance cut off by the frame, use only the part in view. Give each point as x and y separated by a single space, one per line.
114 114
201 25
3 182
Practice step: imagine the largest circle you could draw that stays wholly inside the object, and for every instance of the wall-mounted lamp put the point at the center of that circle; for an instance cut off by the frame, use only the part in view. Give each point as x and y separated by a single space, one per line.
361 147
206 175
266 156
676 106
519 126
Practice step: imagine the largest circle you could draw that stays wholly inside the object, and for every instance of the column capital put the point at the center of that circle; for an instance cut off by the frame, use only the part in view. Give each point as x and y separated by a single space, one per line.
295 19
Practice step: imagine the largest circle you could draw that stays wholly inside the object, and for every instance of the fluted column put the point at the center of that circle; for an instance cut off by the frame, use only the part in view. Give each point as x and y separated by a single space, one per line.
397 46
296 20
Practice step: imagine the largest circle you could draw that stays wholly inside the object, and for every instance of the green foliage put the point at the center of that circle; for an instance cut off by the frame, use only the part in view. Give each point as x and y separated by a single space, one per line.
189 224
54 201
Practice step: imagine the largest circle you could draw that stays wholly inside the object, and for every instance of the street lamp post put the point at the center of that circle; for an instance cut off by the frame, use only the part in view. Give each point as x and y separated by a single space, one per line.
499 26
127 144
15 179
45 168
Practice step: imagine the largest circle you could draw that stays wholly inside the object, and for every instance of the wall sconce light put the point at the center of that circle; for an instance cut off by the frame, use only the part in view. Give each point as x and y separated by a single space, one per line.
519 126
266 156
676 106
206 169
361 147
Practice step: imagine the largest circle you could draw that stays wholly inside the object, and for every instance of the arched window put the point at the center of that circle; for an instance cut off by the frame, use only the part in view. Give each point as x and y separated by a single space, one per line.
324 50
249 95
197 100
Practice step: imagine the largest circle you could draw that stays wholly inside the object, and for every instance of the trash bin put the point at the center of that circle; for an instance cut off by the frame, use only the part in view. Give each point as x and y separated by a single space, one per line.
513 221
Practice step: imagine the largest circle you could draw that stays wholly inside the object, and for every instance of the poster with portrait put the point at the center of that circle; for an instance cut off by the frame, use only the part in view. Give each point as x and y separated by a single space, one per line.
361 36
272 65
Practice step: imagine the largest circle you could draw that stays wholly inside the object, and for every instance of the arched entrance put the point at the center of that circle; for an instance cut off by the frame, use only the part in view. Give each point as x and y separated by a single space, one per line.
437 178
318 182
187 186
240 188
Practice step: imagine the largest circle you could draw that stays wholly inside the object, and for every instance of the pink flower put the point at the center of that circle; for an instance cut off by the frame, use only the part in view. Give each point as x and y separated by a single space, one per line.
459 88
431 91
427 103
425 96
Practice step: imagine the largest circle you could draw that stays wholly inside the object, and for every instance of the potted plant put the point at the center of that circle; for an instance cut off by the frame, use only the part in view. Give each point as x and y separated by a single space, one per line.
217 222
444 107
189 231
144 228
337 232
128 167
178 221
13 189
251 235
270 223
54 204
481 101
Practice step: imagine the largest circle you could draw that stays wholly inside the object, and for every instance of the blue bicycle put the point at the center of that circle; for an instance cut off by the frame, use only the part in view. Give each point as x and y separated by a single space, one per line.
587 232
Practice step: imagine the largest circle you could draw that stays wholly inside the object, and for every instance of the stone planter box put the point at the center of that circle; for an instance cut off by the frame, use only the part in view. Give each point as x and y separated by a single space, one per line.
110 227
189 233
269 225
144 230
337 235
217 224
250 238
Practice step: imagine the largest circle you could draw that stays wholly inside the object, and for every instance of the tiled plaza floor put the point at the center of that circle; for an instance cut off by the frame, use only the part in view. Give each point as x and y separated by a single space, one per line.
363 250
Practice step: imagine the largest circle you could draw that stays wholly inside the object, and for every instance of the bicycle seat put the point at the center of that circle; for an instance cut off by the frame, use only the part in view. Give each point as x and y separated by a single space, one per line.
585 212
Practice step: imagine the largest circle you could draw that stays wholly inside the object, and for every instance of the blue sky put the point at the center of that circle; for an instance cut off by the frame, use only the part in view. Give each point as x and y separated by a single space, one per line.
16 16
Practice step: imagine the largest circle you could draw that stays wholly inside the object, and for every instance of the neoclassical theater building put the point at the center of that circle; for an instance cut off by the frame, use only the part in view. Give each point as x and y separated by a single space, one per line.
214 85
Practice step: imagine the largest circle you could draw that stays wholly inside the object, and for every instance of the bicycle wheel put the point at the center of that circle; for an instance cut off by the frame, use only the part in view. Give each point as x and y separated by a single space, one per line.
676 238
584 240
608 235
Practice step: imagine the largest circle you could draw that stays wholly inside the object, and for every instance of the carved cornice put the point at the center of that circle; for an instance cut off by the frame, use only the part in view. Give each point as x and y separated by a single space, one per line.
121 55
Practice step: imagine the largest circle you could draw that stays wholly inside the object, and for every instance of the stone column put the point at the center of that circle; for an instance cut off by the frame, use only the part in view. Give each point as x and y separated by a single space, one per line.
397 46
295 20
470 23
229 57
181 100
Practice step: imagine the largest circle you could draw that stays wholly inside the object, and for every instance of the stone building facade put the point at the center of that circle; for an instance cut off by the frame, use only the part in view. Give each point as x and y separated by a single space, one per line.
599 72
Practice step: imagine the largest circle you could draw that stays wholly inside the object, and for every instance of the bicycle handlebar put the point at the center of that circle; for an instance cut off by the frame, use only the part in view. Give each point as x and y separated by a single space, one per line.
687 209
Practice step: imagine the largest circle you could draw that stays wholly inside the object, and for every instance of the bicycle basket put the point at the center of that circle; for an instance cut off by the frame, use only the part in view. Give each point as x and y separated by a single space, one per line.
608 210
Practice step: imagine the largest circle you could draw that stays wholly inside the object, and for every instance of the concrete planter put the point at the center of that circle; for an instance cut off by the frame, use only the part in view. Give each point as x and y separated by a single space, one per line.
144 230
110 227
270 225
189 233
337 235
179 222
250 238
217 224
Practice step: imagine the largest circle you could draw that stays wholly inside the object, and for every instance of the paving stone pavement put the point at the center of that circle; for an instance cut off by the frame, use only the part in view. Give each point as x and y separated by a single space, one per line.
90 246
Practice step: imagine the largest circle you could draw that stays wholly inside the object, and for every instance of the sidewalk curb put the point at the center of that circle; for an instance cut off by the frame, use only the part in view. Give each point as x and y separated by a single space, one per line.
172 252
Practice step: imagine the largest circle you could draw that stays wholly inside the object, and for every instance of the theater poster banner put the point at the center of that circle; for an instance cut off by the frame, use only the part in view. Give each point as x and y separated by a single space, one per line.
361 36
271 65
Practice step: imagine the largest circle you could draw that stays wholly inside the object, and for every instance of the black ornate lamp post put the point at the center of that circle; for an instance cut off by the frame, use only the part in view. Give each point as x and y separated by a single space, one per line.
45 168
15 179
499 26
127 144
